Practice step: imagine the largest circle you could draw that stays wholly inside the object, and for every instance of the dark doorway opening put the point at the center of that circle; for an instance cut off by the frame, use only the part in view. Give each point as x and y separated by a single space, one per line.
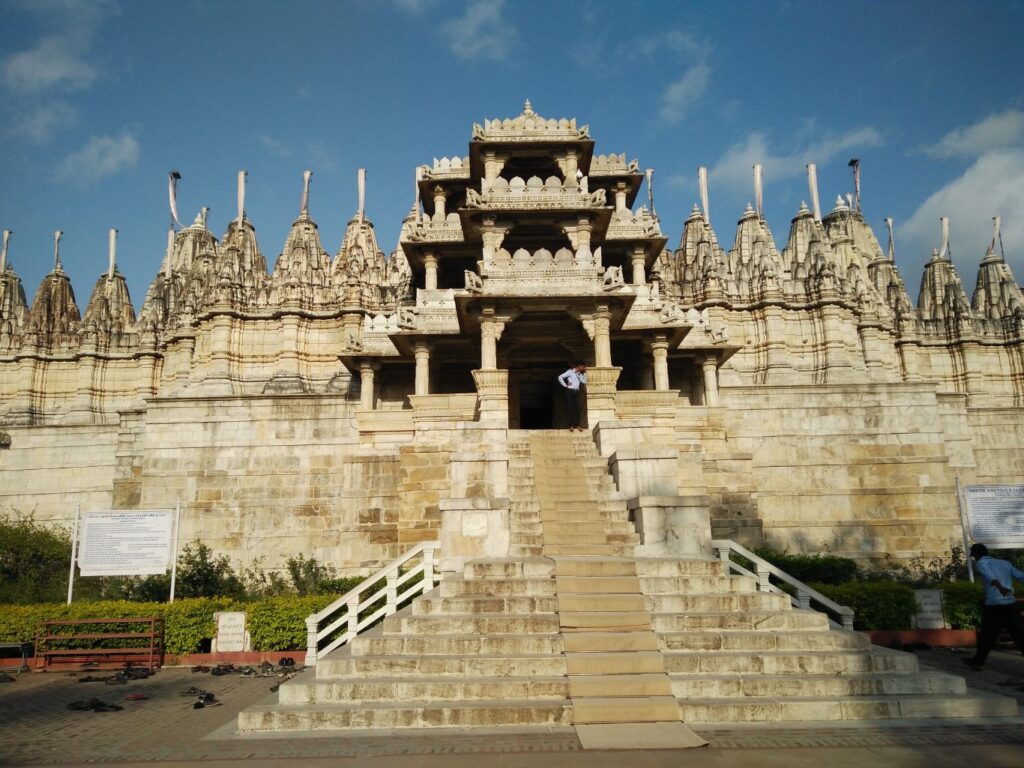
536 404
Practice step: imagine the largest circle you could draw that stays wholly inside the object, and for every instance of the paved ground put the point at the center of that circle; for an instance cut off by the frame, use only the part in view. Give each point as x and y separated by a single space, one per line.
36 728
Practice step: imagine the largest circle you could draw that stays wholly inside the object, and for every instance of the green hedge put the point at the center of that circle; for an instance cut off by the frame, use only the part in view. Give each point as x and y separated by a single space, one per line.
876 604
961 604
275 624
820 569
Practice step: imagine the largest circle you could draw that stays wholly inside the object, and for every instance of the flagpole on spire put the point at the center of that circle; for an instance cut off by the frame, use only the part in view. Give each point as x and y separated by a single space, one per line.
241 197
57 266
170 252
361 181
173 178
111 253
855 165
304 207
650 192
759 191
812 184
702 183
944 251
3 253
892 242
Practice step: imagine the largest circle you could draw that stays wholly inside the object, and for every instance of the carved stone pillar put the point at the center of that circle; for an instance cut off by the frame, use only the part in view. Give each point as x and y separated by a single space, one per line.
710 366
620 200
490 332
492 391
659 351
439 205
583 229
430 264
422 368
602 340
639 278
493 164
601 386
367 390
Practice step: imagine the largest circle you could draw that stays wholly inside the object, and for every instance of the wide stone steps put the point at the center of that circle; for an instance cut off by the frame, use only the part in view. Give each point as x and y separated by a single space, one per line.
418 688
689 585
689 687
406 714
742 601
763 640
455 644
461 624
789 663
794 619
426 665
776 709
459 587
470 604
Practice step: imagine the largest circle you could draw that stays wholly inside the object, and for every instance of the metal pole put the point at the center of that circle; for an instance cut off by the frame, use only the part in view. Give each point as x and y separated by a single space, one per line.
960 504
74 547
174 549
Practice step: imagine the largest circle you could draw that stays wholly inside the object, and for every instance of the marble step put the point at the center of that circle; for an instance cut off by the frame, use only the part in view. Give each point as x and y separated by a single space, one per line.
661 566
621 709
597 585
457 587
845 708
595 566
599 603
614 663
627 685
424 665
390 689
612 621
461 624
762 640
778 686
598 642
666 622
519 568
588 549
474 604
728 602
795 662
666 585
406 714
495 644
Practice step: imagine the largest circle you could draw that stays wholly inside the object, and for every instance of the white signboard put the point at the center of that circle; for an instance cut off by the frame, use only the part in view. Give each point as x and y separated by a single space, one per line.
996 515
125 542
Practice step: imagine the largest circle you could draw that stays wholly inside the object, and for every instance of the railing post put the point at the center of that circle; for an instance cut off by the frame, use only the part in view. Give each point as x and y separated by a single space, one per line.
847 615
311 642
803 599
428 568
764 583
391 592
353 615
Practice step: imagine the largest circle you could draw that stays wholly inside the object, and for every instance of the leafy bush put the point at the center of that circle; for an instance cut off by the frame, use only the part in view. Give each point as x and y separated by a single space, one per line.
34 561
961 604
876 605
920 573
821 568
279 623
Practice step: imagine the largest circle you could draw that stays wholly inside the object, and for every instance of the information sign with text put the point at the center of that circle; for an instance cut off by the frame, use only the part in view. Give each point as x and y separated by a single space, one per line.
125 542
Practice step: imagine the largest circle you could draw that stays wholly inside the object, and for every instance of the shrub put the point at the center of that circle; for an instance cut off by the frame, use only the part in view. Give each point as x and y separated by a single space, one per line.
876 605
34 561
822 569
961 604
279 623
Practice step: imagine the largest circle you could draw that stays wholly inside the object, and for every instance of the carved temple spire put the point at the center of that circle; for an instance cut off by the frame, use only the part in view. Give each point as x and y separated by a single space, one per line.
997 294
302 274
942 294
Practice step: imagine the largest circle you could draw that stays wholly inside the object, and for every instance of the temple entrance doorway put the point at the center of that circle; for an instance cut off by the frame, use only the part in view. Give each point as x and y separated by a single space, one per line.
535 400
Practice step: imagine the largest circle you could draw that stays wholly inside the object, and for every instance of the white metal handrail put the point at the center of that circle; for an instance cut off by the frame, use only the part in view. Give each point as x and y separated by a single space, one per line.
764 572
421 559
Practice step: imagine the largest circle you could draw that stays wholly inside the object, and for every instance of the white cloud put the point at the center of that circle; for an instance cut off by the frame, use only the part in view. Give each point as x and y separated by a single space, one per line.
61 58
682 94
275 145
38 124
414 6
482 32
734 168
993 185
101 156
998 131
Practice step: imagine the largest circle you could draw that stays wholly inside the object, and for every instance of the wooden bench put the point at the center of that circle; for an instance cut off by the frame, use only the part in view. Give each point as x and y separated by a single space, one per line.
80 641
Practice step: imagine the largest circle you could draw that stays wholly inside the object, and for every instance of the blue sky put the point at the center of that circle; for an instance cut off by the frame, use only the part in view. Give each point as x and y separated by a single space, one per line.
103 98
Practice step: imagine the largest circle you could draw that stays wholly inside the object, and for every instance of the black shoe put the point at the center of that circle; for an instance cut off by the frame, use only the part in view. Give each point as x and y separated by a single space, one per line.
973 664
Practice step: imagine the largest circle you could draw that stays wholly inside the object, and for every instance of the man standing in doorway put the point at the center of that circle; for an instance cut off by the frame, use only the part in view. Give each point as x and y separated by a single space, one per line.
1000 608
572 382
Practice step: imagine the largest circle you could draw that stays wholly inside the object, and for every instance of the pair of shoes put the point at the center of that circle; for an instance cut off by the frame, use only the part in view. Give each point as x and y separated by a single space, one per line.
136 697
5 678
193 691
287 661
201 668
972 664
206 700
92 679
95 705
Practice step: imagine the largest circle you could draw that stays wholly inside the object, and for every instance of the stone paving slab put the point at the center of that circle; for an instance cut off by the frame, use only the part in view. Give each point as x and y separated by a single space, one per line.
37 729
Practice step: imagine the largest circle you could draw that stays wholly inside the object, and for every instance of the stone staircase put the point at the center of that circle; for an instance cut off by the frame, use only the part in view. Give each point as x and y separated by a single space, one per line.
573 630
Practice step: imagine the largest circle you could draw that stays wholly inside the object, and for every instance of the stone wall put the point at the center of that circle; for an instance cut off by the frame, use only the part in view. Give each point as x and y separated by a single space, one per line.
863 471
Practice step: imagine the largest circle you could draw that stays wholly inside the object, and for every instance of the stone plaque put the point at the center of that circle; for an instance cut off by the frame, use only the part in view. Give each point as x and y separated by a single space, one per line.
929 609
231 634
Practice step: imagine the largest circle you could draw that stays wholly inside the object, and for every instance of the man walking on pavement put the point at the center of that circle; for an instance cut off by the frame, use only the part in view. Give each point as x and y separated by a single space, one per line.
1000 608
572 381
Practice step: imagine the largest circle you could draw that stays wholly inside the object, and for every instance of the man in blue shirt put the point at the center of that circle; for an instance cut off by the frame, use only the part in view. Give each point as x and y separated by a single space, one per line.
1000 605
572 382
